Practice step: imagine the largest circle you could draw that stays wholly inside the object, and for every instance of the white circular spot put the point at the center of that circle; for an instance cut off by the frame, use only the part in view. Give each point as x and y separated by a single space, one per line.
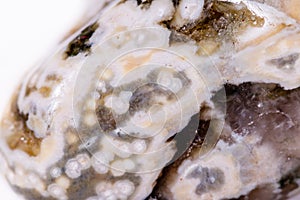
84 161
119 104
117 168
73 169
100 163
123 150
57 192
128 164
55 172
100 168
139 146
63 182
124 187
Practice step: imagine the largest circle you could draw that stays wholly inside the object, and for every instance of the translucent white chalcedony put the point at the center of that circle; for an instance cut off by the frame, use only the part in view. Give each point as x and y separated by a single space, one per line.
55 172
103 117
124 188
100 162
73 169
119 104
84 161
188 11
167 80
57 192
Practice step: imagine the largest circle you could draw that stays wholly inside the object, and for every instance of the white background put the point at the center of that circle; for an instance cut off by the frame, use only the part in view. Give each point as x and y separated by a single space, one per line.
29 30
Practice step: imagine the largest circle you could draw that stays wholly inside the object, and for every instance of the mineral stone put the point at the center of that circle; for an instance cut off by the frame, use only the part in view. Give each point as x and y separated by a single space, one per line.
162 99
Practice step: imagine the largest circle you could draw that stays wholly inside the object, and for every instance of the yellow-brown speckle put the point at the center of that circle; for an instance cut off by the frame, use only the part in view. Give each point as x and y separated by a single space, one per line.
45 91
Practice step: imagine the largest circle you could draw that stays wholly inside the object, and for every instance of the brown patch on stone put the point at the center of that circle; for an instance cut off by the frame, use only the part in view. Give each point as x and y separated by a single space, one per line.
106 118
45 91
81 43
54 78
144 96
22 138
25 141
29 90
220 21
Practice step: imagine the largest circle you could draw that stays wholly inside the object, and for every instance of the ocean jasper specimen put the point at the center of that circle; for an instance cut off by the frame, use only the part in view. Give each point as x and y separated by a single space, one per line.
162 99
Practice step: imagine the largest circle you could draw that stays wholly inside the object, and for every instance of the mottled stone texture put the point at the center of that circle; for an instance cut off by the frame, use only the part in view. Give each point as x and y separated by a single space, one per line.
273 113
266 112
134 105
